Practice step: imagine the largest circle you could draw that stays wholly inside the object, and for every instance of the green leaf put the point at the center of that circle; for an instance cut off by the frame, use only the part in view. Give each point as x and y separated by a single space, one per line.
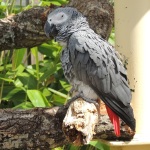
99 145
46 92
58 148
48 73
49 49
31 69
13 95
73 147
57 100
111 39
2 77
27 7
11 91
7 67
33 51
45 3
65 85
18 83
59 93
58 2
18 56
24 105
27 80
20 69
55 2
37 98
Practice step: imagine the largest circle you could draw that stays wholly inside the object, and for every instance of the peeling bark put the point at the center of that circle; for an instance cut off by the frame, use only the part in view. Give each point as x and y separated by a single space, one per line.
80 121
26 28
41 128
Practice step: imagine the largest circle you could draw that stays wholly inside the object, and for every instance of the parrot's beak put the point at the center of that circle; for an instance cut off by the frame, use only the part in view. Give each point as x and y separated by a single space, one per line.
50 30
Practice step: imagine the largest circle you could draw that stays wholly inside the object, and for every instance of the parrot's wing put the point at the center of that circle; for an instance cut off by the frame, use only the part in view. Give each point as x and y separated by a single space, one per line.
96 63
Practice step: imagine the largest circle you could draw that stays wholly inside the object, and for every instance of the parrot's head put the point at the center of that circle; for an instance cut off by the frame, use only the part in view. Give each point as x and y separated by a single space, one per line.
63 21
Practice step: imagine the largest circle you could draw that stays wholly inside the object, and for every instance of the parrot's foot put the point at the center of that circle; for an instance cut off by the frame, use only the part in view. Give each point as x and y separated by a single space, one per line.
80 95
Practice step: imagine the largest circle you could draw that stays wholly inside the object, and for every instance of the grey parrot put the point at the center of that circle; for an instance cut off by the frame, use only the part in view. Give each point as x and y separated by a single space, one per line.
91 64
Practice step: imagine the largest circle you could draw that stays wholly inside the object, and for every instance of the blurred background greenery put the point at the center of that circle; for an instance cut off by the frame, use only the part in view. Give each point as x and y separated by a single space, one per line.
33 77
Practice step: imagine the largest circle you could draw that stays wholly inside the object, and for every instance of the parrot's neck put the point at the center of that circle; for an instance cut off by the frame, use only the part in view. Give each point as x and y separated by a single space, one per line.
77 25
63 44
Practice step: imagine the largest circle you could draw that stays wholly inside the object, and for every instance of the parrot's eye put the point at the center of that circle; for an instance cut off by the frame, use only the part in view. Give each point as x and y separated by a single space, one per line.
62 16
50 19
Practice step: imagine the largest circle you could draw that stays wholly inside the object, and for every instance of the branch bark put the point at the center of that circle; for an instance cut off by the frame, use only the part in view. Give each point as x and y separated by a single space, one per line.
26 28
41 128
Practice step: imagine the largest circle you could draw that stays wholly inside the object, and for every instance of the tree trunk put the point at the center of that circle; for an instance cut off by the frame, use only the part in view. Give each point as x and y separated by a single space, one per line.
26 28
41 128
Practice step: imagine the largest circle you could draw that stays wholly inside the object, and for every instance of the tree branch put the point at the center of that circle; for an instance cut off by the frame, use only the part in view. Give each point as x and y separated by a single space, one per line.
26 28
22 30
42 128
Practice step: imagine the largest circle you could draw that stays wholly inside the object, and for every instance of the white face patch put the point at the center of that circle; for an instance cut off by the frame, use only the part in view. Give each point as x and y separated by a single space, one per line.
58 18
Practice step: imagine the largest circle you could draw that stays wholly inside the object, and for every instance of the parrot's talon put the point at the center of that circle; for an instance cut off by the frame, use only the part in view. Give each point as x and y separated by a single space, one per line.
72 100
80 95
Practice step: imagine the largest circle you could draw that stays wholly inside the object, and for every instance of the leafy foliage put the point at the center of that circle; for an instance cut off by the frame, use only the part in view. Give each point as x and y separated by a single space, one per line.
39 83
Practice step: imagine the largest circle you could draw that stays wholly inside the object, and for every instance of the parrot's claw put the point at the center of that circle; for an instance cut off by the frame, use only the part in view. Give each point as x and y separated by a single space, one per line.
72 100
80 95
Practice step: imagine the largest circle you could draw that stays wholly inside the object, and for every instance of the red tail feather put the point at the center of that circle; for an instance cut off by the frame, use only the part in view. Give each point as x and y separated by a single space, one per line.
115 120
